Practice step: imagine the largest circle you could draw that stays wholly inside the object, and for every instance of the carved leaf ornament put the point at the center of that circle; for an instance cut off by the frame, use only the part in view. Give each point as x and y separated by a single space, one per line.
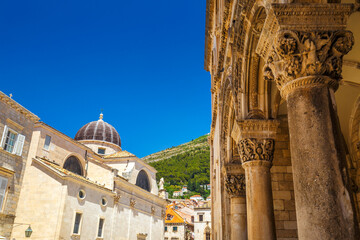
235 185
256 149
300 54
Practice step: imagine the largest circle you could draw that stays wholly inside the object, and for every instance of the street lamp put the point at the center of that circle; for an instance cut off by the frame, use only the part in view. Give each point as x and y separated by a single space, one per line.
28 232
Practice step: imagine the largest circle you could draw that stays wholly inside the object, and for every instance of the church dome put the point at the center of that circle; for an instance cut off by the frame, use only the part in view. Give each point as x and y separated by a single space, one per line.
99 131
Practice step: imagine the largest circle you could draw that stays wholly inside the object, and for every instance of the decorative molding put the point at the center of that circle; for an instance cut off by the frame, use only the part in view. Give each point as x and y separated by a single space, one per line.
4 98
132 202
152 210
235 185
256 149
253 128
117 198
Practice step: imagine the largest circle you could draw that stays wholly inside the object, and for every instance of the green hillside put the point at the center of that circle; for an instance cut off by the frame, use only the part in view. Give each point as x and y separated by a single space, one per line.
187 164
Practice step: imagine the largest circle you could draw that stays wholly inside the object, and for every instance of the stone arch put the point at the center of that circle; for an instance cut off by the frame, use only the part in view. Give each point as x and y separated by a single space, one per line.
143 181
73 164
207 233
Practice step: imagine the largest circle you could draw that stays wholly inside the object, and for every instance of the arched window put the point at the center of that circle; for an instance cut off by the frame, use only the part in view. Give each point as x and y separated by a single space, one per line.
143 180
73 165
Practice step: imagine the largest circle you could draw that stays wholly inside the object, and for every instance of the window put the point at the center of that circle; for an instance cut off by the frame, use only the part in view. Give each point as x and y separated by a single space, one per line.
143 180
3 186
77 223
73 165
101 150
103 201
12 142
174 229
81 194
165 229
101 226
47 142
201 218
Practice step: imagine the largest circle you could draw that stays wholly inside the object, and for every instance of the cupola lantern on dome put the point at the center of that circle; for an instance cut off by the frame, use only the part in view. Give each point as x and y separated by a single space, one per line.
99 131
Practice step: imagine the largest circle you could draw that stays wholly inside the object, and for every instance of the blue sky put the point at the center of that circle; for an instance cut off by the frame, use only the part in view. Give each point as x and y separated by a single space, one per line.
139 61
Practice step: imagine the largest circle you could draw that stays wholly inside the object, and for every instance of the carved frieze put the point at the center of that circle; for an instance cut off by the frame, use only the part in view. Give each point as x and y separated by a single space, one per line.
256 149
302 58
235 185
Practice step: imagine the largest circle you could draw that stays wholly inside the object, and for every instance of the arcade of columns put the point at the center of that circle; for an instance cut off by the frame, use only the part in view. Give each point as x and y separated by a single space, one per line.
260 54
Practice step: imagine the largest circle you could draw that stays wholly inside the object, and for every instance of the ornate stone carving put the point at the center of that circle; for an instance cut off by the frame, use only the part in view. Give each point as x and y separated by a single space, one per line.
235 185
152 210
132 202
117 198
303 58
256 149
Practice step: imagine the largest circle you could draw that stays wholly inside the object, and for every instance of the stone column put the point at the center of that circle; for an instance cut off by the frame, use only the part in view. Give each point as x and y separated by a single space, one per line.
256 147
306 66
235 187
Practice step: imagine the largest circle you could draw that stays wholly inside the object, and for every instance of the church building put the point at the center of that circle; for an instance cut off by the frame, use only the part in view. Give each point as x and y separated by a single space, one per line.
87 188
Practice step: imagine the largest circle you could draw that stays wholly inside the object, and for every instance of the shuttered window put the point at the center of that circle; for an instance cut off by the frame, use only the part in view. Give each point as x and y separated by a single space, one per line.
12 142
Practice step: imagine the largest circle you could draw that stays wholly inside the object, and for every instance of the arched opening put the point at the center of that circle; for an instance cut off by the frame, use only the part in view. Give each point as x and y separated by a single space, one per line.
73 165
207 232
143 180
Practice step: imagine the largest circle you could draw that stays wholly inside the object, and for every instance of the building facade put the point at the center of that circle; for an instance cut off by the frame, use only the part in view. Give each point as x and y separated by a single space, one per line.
16 124
178 225
88 188
202 222
285 118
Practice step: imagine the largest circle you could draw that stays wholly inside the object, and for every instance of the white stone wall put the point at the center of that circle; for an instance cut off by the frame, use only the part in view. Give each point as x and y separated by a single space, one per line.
199 227
179 234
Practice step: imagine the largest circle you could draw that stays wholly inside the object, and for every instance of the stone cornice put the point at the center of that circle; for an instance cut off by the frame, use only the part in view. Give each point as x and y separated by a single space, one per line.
4 98
300 17
254 128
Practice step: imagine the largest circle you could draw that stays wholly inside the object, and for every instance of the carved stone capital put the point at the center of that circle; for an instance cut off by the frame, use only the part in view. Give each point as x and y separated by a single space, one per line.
252 149
307 58
235 185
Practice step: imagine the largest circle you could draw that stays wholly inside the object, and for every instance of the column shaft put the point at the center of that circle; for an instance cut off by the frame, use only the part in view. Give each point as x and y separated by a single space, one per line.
260 213
238 218
323 206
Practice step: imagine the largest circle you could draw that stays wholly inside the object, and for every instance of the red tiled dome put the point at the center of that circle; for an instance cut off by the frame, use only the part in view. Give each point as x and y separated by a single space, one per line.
99 130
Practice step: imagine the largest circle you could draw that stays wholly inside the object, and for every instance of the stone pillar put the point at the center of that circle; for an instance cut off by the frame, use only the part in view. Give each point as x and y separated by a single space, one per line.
306 66
235 187
256 147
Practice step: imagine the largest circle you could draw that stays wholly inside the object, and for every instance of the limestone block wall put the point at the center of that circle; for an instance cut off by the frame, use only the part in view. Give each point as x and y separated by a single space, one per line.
282 185
20 123
41 204
62 147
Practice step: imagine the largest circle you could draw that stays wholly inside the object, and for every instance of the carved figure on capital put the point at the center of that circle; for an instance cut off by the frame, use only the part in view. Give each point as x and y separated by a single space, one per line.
235 185
298 54
256 149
